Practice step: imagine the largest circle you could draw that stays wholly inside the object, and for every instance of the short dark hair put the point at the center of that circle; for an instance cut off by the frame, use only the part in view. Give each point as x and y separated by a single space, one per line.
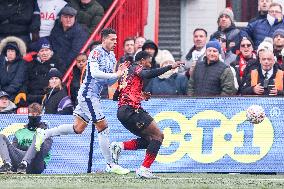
105 32
200 29
35 108
81 54
141 55
128 39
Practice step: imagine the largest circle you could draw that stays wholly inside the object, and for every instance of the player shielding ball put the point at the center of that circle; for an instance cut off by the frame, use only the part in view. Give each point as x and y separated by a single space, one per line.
99 72
134 118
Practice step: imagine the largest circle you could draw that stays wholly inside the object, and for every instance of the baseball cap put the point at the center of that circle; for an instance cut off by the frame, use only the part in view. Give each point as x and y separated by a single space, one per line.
3 93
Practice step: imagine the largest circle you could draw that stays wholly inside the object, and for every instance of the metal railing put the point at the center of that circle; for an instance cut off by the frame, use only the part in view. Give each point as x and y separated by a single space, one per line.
127 17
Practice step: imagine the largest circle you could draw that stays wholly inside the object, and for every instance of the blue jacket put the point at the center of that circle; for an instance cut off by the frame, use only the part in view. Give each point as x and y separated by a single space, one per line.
67 44
174 85
259 29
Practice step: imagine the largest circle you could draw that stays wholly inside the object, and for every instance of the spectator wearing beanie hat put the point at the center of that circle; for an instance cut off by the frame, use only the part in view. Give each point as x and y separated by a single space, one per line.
226 25
211 77
266 44
37 72
56 99
278 44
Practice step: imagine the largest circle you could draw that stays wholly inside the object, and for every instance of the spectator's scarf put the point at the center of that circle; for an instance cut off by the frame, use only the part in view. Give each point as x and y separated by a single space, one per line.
273 21
243 63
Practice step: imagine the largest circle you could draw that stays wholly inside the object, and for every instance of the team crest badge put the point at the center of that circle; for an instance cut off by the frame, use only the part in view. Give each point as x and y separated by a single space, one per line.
96 54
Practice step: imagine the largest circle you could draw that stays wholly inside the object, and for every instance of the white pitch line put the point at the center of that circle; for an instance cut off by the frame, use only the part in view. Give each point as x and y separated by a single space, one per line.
162 178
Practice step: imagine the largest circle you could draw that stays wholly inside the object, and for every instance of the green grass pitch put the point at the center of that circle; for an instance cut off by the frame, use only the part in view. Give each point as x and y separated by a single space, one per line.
166 181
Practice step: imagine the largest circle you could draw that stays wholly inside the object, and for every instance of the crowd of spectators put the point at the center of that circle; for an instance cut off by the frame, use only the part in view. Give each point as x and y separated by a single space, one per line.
36 50
39 41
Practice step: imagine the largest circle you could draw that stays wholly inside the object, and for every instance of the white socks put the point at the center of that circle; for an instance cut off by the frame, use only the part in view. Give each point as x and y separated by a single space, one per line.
103 138
63 129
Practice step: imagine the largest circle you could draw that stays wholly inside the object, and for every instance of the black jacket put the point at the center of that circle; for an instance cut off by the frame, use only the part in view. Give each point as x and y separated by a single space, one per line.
12 75
36 78
57 101
19 17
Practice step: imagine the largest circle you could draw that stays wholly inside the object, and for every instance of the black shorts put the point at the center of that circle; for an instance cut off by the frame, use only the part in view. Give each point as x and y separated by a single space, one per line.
134 120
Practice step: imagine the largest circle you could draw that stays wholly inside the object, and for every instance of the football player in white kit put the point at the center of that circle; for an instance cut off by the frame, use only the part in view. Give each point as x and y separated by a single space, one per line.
99 71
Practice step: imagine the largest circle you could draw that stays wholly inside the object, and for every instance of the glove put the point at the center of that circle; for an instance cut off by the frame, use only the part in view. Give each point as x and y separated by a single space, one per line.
19 97
29 57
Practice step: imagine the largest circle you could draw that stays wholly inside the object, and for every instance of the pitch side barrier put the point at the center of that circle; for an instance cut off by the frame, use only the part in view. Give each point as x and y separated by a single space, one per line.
201 135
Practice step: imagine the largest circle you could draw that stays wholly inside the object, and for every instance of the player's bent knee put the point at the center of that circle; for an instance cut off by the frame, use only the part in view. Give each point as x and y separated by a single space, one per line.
79 128
101 125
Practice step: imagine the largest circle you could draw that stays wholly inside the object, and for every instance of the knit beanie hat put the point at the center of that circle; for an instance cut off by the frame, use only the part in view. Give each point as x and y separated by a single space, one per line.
278 32
266 44
214 44
43 43
227 11
53 72
163 56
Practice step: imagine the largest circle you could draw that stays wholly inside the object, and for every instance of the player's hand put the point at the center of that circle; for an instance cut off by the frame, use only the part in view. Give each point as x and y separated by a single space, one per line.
122 68
177 64
258 89
146 95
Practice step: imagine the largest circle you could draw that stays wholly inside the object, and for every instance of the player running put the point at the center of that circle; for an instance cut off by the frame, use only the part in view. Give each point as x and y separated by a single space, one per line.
134 118
99 71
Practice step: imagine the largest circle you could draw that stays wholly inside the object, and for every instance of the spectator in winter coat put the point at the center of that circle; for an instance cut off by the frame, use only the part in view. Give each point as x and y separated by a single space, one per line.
6 105
244 60
12 66
263 6
211 77
37 71
266 79
56 99
89 14
278 44
226 25
19 18
169 83
67 37
262 28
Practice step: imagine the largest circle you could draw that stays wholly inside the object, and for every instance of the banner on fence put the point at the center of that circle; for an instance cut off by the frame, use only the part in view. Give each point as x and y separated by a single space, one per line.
201 135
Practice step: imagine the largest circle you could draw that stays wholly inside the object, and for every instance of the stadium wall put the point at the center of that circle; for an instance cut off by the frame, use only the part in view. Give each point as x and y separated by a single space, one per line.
201 135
